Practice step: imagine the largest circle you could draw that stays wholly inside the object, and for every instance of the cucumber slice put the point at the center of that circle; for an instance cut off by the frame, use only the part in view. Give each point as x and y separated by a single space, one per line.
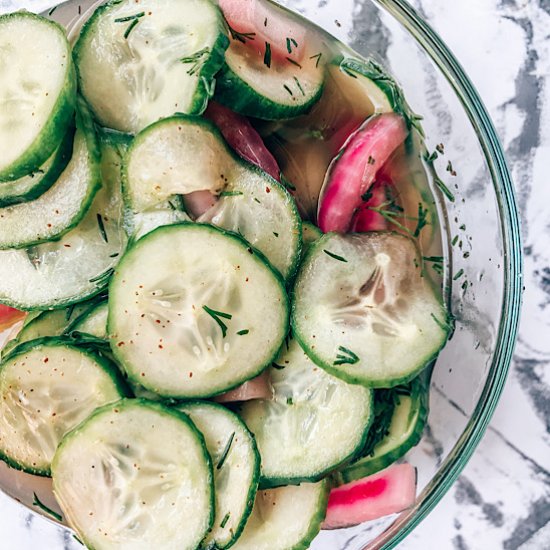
46 323
253 84
139 62
404 432
36 183
37 92
135 476
363 311
285 518
48 387
313 423
179 305
61 207
93 321
60 273
380 87
194 157
236 468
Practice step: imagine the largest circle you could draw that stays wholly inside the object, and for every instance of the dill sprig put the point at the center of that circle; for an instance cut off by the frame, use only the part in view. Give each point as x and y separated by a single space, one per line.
335 256
130 28
288 89
317 56
217 316
228 515
289 43
225 452
101 226
130 17
345 357
267 55
36 502
444 189
299 85
198 59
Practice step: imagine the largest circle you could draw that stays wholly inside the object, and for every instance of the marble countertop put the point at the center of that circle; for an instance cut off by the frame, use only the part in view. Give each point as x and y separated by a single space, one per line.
502 499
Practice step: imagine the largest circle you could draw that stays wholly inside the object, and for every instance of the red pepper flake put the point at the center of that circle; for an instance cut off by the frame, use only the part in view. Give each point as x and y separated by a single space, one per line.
120 344
267 190
46 360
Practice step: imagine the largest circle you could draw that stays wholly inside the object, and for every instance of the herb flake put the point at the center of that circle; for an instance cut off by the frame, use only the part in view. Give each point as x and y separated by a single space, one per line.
101 226
198 59
299 85
36 502
225 452
130 28
317 56
228 515
458 274
130 17
345 357
335 256
267 55
243 332
217 316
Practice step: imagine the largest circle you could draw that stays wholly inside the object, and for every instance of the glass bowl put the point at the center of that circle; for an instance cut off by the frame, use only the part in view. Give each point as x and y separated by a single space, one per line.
481 245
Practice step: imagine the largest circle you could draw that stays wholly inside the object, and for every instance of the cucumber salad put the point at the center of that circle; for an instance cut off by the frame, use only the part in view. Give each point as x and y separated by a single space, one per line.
220 275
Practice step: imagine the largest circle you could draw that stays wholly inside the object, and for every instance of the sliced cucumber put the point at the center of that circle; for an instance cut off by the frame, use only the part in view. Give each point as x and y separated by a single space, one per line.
404 432
380 87
194 157
253 84
45 323
363 311
48 387
139 62
285 518
93 321
61 207
135 476
314 422
60 273
115 147
36 183
37 92
236 468
195 311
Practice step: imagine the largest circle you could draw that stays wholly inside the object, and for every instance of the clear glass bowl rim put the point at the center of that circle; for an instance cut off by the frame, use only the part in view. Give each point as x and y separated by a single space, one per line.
503 186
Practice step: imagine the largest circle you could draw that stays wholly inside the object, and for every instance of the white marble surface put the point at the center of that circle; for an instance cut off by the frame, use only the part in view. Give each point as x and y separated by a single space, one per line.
502 499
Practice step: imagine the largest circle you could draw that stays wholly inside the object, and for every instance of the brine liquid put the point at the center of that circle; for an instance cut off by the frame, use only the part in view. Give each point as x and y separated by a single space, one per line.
305 146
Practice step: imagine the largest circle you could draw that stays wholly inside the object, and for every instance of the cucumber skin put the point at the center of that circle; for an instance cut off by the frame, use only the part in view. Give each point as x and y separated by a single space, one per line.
274 482
371 465
62 158
52 134
339 373
211 127
255 479
75 322
105 364
317 520
207 82
85 123
238 95
159 408
135 379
